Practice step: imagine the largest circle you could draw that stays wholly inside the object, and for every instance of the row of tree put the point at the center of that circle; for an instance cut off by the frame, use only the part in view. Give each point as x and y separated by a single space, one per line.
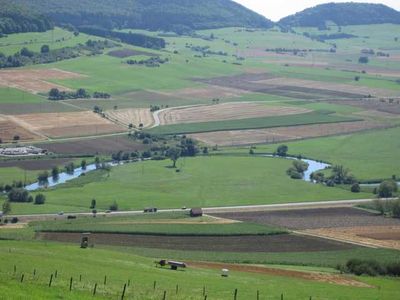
56 95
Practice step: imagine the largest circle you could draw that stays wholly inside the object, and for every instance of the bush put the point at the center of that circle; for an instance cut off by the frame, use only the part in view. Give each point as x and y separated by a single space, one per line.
371 268
40 199
387 189
355 188
114 206
14 220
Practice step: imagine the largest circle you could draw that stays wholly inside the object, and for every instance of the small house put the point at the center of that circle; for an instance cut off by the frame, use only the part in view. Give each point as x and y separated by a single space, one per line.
196 212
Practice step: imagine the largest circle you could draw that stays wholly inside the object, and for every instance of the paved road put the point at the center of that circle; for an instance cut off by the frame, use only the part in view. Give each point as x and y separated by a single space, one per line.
247 208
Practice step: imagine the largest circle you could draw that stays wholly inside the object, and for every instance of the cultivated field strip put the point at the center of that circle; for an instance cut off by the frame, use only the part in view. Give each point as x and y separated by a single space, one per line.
134 116
35 81
225 111
280 134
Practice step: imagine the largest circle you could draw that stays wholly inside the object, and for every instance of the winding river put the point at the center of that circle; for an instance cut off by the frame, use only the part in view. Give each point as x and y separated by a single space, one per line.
64 177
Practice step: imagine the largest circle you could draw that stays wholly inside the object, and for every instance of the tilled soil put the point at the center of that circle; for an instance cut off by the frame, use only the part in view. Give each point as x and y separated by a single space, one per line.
313 218
274 243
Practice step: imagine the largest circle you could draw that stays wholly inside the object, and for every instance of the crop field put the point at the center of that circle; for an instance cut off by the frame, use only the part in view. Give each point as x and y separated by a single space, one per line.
35 80
379 106
123 53
134 116
315 117
9 129
301 219
95 146
281 134
225 111
246 243
68 124
34 164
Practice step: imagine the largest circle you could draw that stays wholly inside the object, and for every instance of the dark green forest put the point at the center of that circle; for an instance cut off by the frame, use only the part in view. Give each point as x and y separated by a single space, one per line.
343 14
171 15
15 18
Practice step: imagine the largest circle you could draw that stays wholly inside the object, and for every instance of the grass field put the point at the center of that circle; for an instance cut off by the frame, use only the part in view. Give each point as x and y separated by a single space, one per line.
317 117
203 181
14 96
119 267
368 155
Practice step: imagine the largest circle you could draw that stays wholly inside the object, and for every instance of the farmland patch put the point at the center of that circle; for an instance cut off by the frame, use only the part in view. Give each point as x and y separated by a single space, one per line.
280 134
226 111
34 164
10 129
273 243
103 145
35 81
134 116
67 124
313 218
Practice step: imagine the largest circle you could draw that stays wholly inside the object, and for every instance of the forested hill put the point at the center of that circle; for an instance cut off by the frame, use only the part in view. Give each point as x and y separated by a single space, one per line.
175 15
343 14
15 18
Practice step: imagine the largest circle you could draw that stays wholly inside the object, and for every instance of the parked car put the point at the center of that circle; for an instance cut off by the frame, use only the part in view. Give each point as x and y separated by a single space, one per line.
150 210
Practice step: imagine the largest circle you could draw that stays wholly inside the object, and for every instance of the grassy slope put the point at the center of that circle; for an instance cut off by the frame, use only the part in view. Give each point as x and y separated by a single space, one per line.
93 264
56 39
10 95
254 123
369 155
203 181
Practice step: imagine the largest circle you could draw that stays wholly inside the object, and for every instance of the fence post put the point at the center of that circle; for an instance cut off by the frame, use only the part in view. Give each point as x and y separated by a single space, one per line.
55 274
105 279
281 296
95 289
129 282
34 272
204 290
123 292
205 297
235 294
15 269
70 284
51 280
177 289
165 295
258 295
80 278
22 277
154 285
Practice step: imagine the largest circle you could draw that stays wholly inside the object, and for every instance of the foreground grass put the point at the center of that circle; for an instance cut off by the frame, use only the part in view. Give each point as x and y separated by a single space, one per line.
316 117
202 182
121 267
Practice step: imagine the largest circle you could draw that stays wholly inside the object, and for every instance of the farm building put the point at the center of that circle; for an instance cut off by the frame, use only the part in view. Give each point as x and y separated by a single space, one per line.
196 212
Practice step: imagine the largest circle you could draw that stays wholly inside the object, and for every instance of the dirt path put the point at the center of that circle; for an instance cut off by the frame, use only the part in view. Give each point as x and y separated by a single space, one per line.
312 276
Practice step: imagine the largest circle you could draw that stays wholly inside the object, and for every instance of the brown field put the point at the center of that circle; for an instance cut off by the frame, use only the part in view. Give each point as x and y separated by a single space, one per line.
274 135
225 111
34 81
302 219
209 92
44 107
375 236
9 129
313 276
103 145
373 105
274 243
34 164
320 85
123 53
135 116
68 124
269 84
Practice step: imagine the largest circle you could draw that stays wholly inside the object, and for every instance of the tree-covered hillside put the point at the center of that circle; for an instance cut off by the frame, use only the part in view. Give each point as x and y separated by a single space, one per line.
15 18
176 15
343 14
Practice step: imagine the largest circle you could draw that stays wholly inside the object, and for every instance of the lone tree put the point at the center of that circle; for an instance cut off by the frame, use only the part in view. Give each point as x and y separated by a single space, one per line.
282 150
174 154
93 204
83 164
45 49
387 189
40 199
6 207
55 172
